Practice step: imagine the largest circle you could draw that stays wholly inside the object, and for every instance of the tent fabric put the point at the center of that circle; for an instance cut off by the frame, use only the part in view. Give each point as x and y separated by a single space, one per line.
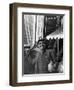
56 34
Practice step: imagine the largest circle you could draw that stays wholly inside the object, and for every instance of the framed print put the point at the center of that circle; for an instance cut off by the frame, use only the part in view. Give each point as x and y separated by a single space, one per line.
40 44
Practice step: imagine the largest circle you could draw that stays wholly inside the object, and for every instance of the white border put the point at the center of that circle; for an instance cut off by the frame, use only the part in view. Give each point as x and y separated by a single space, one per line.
46 77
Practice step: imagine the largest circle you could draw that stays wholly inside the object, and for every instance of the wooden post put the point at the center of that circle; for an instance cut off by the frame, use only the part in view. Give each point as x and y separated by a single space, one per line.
57 48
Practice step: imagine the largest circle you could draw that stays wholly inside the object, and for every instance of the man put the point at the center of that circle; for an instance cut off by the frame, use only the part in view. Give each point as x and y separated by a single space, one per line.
38 58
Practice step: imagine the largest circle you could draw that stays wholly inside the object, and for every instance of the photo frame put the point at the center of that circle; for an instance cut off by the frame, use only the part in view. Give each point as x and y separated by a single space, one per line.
40 44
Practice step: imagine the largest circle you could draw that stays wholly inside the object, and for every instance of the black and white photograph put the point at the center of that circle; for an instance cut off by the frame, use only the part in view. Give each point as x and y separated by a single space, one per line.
42 43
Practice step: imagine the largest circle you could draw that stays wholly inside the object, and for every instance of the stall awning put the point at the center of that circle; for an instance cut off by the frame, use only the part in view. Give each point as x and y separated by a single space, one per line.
56 34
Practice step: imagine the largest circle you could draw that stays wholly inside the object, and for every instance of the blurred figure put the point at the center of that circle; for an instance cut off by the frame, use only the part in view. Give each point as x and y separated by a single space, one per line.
55 60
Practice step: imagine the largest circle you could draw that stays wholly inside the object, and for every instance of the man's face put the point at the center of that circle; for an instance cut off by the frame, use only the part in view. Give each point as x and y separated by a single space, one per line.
40 45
